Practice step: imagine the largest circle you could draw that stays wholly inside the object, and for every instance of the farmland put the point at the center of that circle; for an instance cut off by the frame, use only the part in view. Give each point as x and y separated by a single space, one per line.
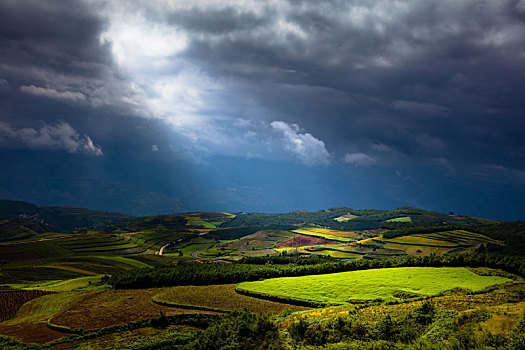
219 298
100 286
383 284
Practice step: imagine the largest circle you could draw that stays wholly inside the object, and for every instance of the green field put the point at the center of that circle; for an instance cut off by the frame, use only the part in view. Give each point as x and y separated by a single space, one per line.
401 219
345 287
345 218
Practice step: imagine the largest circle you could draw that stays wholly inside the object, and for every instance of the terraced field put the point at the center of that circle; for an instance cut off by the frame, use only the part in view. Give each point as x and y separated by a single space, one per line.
343 244
438 243
339 236
266 239
384 284
460 237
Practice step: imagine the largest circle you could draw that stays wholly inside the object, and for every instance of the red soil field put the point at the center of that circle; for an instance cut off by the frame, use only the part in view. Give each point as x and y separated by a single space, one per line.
378 231
10 302
16 254
303 240
114 307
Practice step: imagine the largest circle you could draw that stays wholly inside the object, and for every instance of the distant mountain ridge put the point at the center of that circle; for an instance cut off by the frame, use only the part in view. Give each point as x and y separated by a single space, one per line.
348 219
61 219
68 218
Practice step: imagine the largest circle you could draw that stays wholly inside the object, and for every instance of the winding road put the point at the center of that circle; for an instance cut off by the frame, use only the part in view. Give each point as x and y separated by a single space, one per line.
195 254
162 248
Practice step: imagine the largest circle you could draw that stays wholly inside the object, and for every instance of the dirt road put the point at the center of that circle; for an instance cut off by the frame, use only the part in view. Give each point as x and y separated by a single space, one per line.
162 248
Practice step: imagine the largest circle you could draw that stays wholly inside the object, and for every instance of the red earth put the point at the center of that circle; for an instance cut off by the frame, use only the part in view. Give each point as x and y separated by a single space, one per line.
303 240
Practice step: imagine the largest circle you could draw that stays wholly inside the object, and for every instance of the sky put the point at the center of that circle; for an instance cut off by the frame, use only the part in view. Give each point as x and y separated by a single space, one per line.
151 107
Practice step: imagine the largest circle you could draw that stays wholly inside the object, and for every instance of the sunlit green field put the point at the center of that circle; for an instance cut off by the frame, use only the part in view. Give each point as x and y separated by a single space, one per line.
344 287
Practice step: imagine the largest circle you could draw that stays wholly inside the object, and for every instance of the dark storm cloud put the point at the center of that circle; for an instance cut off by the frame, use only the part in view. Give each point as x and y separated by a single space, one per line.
427 78
51 50
397 95
218 21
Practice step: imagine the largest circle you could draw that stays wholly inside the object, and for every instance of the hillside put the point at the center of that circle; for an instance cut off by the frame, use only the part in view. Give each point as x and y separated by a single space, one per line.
348 219
105 285
60 219
19 229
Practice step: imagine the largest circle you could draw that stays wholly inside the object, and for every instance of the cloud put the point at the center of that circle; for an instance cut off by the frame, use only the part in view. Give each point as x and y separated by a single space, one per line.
308 149
154 148
60 136
381 147
52 93
53 50
428 79
358 159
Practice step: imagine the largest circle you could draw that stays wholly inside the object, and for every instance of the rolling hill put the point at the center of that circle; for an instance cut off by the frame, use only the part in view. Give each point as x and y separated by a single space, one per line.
60 219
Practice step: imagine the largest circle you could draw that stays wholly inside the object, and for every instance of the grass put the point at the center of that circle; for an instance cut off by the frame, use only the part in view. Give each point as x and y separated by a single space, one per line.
196 221
29 273
504 318
218 297
345 287
401 219
70 285
501 298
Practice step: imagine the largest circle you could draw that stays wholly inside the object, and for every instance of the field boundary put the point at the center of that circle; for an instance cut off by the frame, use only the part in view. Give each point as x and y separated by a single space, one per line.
185 306
196 320
63 329
292 301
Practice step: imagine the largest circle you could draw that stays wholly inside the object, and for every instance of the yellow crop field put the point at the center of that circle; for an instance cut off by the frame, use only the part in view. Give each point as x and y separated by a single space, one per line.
333 235
419 240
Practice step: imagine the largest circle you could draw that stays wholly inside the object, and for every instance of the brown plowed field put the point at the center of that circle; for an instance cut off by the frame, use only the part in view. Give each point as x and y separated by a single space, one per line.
16 254
114 307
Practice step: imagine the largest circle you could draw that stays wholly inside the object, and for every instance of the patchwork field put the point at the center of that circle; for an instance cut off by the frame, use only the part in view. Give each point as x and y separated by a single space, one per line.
340 236
58 284
265 239
384 284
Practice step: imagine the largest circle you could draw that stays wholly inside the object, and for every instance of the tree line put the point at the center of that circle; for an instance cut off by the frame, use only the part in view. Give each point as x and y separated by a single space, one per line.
218 273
